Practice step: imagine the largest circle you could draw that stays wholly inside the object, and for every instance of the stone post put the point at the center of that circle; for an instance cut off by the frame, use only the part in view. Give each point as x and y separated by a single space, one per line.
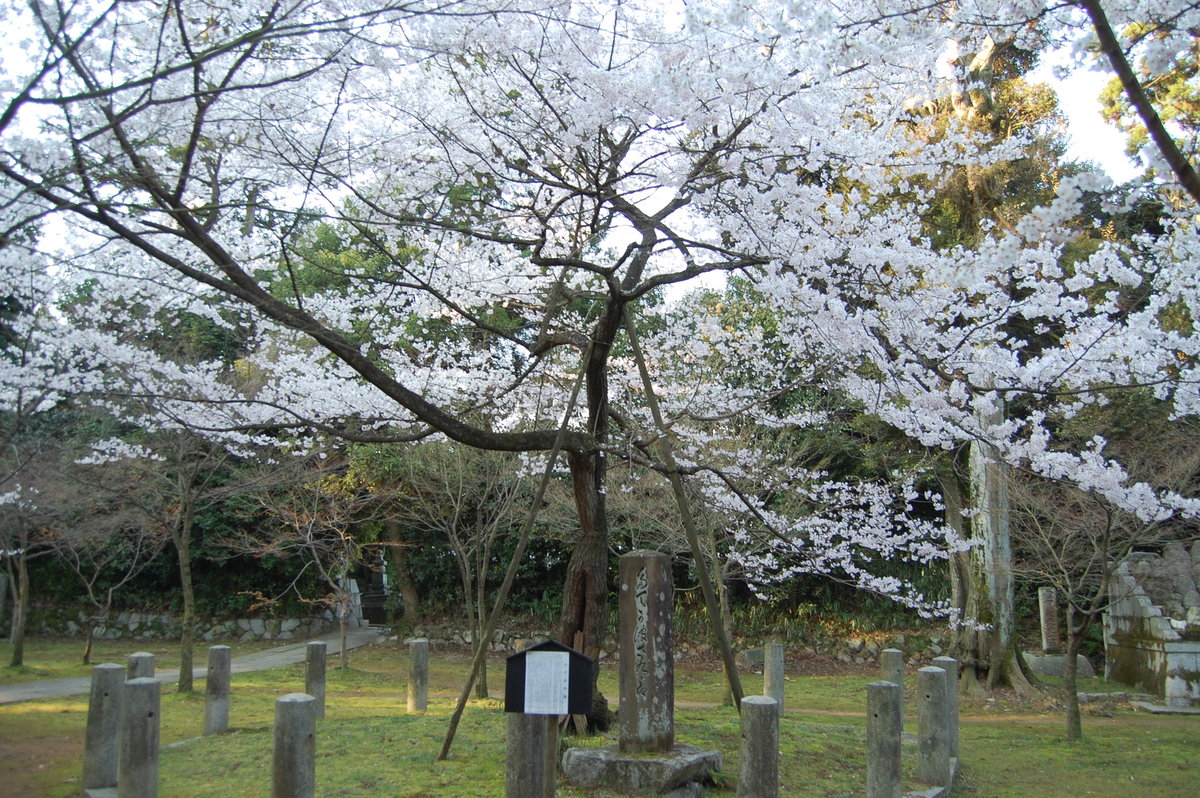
891 669
646 711
103 727
773 662
1048 612
216 690
137 768
950 666
141 666
758 776
933 750
526 774
885 704
418 675
314 675
294 774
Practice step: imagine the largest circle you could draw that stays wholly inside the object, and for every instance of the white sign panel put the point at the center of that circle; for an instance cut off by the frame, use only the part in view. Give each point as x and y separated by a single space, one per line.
546 677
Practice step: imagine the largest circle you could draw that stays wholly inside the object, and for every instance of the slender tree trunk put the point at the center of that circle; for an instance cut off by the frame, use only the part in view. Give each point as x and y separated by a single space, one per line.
182 538
1075 633
88 638
342 634
20 616
481 683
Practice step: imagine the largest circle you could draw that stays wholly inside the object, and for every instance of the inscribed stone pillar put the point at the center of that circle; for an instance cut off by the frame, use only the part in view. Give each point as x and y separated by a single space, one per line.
137 768
885 701
141 666
1048 610
103 727
758 775
216 690
418 675
891 669
647 701
314 675
294 771
773 662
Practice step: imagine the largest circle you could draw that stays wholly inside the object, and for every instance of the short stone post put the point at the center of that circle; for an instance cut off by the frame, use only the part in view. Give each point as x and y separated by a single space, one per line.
758 776
646 708
103 727
137 768
526 774
773 662
1048 612
294 774
891 669
933 750
950 666
314 675
418 675
885 725
216 690
141 666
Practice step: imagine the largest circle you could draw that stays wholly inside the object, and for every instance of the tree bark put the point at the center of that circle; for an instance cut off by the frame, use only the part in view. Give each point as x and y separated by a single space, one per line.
20 616
409 596
182 538
1075 633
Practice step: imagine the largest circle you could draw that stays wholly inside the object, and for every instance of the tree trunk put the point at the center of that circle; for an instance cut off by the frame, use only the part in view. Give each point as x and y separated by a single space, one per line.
88 638
985 645
585 593
481 683
20 616
409 596
182 538
1075 633
342 624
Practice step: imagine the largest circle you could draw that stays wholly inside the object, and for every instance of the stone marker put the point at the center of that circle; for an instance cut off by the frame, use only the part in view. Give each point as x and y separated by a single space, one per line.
647 701
773 665
103 727
950 666
885 701
294 774
758 775
646 760
1048 612
314 675
418 675
526 774
141 666
137 768
933 750
216 690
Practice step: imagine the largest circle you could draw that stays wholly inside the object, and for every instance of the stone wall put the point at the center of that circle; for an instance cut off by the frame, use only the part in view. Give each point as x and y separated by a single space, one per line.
149 625
1152 626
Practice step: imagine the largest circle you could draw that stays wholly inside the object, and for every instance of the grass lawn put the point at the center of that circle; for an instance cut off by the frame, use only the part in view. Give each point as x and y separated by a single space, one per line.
368 746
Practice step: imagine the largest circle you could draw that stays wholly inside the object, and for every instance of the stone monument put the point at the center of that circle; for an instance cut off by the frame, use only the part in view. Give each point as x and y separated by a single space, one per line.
646 760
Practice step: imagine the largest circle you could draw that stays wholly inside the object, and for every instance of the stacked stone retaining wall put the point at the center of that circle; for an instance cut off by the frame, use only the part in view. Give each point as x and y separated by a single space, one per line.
149 625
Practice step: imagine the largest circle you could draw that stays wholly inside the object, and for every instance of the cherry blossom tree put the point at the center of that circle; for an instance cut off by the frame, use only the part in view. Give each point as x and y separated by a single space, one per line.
515 186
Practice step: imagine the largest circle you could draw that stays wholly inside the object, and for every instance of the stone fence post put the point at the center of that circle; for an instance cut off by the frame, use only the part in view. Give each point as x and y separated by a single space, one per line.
314 675
141 666
216 690
103 727
526 772
933 745
137 769
759 773
891 669
885 704
294 772
418 675
773 668
950 666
